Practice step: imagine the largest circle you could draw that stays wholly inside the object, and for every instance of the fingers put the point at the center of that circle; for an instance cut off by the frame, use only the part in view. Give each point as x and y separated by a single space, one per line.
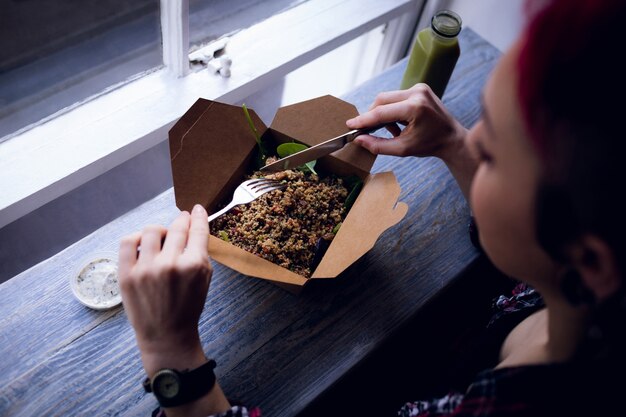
379 146
128 253
187 231
198 240
151 241
394 129
176 238
362 121
382 99
393 106
390 97
384 114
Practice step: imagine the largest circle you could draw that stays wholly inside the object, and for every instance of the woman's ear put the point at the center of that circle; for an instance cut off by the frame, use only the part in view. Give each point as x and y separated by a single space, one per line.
595 262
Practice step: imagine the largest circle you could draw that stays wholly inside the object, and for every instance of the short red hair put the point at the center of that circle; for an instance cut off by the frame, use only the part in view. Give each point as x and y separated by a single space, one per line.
571 89
568 64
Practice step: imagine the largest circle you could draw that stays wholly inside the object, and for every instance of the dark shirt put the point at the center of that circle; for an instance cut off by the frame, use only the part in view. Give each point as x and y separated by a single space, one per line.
575 388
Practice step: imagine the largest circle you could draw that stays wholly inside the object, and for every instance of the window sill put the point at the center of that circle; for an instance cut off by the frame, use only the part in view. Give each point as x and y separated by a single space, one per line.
49 160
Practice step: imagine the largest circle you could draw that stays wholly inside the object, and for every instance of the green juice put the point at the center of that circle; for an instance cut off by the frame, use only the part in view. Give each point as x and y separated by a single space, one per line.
435 53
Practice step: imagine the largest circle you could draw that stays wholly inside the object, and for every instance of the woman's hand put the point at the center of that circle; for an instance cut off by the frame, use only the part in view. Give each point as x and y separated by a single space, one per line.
164 279
164 286
430 130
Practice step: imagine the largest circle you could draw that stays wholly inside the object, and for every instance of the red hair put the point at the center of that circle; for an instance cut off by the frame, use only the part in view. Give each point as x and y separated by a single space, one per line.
571 88
567 64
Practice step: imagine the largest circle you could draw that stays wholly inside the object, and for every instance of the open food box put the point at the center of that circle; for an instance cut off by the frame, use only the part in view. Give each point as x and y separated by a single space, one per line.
213 149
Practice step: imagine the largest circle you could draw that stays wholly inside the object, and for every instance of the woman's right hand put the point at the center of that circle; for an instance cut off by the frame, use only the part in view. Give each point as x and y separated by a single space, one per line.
430 129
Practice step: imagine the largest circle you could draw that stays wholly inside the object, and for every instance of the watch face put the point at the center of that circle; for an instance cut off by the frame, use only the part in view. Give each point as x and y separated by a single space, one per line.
166 384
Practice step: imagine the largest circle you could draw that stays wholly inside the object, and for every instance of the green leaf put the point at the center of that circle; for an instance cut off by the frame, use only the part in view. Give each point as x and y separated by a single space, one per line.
354 192
336 228
263 152
251 124
286 149
351 181
223 235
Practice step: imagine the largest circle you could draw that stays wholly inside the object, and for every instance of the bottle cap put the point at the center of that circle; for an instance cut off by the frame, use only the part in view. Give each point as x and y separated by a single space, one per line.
446 23
95 281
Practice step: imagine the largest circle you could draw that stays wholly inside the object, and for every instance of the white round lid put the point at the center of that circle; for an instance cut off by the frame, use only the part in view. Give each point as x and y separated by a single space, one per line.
95 281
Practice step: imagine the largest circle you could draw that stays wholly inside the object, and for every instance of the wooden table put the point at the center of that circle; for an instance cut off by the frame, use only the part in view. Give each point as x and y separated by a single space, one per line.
274 349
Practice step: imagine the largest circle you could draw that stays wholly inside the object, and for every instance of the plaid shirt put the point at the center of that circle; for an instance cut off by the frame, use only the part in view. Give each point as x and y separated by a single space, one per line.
499 392
576 388
547 390
552 390
235 411
484 395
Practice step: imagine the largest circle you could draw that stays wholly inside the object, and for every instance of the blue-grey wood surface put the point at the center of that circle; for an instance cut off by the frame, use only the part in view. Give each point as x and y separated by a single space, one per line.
274 349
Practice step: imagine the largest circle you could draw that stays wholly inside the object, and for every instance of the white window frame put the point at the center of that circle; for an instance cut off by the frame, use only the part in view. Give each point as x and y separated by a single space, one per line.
53 158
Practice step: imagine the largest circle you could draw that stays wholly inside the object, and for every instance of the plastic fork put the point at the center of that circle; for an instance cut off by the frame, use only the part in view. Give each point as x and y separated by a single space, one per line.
249 191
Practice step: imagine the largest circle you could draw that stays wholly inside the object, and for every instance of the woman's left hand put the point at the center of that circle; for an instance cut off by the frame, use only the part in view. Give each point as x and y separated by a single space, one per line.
164 279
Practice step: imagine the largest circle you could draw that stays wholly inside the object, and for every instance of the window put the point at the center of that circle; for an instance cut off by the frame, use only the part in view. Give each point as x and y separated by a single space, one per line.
54 54
212 19
53 156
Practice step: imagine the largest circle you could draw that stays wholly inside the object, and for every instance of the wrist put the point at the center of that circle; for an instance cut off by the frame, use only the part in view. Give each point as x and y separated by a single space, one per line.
213 402
188 392
455 148
155 358
461 162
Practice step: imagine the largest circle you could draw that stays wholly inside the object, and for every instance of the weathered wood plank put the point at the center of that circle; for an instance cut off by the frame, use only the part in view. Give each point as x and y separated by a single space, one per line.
274 349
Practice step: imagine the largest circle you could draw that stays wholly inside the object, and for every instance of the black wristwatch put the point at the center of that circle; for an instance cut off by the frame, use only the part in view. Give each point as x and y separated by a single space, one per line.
173 388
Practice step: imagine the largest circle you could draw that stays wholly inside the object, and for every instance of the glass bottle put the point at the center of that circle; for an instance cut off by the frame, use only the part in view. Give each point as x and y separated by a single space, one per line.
435 53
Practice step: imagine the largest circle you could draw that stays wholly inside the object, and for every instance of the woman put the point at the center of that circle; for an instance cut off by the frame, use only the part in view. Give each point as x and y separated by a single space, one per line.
541 172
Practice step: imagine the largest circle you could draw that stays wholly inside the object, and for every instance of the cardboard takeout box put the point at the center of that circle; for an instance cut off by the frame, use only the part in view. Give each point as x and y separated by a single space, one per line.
212 150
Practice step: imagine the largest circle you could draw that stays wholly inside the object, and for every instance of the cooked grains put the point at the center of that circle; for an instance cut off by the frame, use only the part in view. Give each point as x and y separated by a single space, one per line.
284 226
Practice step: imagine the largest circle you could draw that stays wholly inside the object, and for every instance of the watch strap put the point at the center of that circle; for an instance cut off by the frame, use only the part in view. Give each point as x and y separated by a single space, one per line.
193 385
